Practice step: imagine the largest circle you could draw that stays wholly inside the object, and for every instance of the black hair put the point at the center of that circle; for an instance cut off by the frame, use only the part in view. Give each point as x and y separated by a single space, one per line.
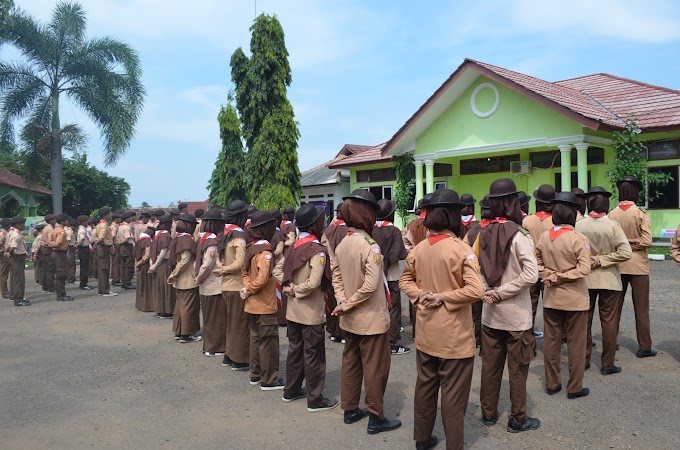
598 203
564 214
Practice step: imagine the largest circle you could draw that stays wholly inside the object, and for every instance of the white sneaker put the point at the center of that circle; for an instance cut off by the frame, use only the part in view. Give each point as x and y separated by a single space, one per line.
538 334
109 294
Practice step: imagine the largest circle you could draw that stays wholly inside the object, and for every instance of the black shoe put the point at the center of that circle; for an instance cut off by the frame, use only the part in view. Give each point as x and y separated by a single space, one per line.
86 288
515 426
426 445
324 405
226 362
129 286
583 393
399 350
610 370
115 283
22 303
64 298
617 346
302 393
554 391
381 424
276 386
5 296
239 367
587 366
254 381
490 420
355 415
645 353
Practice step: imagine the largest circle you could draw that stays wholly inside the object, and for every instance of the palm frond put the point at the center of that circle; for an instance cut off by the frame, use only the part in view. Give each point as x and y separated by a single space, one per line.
12 73
32 39
68 25
17 102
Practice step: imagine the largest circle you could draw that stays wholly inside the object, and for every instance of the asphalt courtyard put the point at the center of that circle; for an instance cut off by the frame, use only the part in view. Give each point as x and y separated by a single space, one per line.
96 373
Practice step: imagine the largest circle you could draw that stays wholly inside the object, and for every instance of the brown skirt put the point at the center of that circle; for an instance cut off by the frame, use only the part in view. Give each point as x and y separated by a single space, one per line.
238 328
144 300
163 293
214 323
187 320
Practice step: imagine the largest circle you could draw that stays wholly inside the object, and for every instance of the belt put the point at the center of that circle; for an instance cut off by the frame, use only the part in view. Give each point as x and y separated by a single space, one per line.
60 251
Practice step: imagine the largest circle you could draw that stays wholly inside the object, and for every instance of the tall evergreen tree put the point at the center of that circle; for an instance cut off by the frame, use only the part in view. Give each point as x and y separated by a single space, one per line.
228 177
268 121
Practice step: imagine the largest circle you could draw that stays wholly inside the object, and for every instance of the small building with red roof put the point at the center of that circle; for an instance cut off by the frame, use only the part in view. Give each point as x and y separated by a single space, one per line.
16 197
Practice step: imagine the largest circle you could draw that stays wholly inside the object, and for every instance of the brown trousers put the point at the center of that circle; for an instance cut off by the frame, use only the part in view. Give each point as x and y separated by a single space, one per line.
264 347
333 322
609 306
4 274
38 267
17 277
477 319
71 265
519 348
395 313
47 269
237 328
214 323
454 377
144 295
554 323
127 263
640 286
306 360
84 258
115 265
281 314
535 291
367 359
60 267
94 264
104 265
187 318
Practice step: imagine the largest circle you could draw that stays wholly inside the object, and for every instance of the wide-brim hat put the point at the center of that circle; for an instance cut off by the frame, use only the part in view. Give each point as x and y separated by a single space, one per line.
524 199
159 212
50 217
578 192
165 218
102 212
288 210
597 190
4 222
467 199
73 222
189 218
502 187
213 214
17 220
145 214
387 207
307 214
443 197
259 218
252 209
425 200
182 205
175 212
484 203
237 207
62 217
363 196
629 179
544 194
83 218
40 226
275 213
199 212
127 215
565 198
337 208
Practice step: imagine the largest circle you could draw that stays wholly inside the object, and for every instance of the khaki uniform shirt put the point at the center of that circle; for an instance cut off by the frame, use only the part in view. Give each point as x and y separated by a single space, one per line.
103 233
114 231
123 234
260 285
513 312
59 238
232 265
3 240
208 283
139 229
609 243
47 236
16 241
675 246
358 281
184 271
83 239
37 243
70 236
448 267
638 230
536 227
568 257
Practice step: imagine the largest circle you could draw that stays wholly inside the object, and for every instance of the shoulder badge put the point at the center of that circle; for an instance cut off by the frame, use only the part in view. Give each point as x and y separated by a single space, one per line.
524 231
369 239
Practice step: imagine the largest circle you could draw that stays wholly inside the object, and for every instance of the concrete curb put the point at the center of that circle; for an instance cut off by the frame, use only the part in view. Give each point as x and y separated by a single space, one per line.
660 257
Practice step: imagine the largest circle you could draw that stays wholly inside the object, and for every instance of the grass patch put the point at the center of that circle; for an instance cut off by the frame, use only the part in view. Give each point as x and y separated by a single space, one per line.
659 250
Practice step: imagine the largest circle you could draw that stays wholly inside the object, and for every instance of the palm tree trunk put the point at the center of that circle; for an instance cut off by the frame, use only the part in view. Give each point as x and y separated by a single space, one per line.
56 160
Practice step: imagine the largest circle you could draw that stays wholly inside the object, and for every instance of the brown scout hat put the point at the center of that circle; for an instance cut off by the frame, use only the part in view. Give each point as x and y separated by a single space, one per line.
629 179
83 218
566 198
364 196
467 199
502 187
387 207
260 218
597 190
544 194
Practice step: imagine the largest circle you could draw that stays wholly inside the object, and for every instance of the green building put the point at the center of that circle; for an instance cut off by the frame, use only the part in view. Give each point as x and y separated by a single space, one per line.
486 122
18 198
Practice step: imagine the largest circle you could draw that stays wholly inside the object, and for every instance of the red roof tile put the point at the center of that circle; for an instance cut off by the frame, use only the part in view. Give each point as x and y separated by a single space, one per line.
14 180
193 206
371 156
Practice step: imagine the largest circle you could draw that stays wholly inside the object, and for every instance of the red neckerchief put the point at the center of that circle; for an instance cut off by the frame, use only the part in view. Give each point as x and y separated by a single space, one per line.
433 238
597 215
248 222
499 220
228 228
383 223
179 235
543 215
350 232
467 222
625 205
422 215
206 235
285 222
524 214
554 234
159 232
143 236
102 221
339 222
485 223
262 242
304 240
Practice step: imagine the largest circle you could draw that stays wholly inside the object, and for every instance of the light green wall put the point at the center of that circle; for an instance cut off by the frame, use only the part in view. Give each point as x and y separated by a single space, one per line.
27 198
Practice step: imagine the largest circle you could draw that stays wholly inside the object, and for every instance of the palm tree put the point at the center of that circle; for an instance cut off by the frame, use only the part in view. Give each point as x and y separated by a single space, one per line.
102 76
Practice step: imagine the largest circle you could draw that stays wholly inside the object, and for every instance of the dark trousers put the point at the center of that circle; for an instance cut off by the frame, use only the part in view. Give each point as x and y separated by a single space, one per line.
84 258
47 269
94 266
17 277
367 359
187 317
535 292
238 328
477 320
519 348
306 360
4 274
38 267
610 309
332 322
640 286
60 268
115 265
71 265
281 314
576 324
264 347
127 263
454 377
104 265
395 313
214 322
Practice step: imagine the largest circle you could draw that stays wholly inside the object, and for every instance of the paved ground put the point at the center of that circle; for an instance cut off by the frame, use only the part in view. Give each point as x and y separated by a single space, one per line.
96 373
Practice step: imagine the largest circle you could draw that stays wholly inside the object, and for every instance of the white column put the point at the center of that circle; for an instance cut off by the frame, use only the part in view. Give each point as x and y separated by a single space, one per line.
429 175
565 158
419 180
582 162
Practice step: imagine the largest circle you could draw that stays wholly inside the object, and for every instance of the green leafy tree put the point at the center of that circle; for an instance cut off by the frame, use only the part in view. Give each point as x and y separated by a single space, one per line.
102 76
228 177
145 205
6 8
268 121
404 193
630 159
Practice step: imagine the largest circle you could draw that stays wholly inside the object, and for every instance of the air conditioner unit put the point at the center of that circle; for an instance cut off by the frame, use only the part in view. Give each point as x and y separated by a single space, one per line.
520 167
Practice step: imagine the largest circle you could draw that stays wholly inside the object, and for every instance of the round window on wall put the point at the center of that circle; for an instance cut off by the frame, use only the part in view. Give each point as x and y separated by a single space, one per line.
484 100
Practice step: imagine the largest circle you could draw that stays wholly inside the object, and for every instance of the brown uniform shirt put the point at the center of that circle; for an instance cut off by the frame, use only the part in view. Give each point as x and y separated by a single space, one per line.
47 236
609 243
636 226
59 239
260 285
358 281
231 264
3 239
16 241
209 284
536 225
308 305
184 271
103 233
448 267
675 246
568 258
123 234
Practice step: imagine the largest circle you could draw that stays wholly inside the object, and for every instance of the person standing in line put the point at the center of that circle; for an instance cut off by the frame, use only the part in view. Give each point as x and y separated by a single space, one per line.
582 205
278 245
608 247
59 254
182 208
259 291
104 249
94 266
155 218
16 253
506 257
359 284
635 272
124 249
442 270
414 233
210 285
333 235
199 220
71 237
4 260
144 296
389 239
524 200
537 224
115 254
36 253
186 320
84 248
142 224
47 245
675 246
231 247
164 293
467 219
564 262
174 213
306 276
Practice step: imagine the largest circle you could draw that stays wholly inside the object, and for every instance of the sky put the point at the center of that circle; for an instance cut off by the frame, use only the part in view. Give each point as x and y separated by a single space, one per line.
360 69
